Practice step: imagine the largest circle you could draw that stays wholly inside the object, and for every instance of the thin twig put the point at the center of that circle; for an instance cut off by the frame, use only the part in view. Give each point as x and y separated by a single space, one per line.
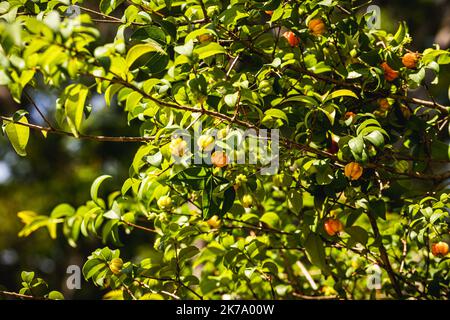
19 295
384 256
232 65
139 227
99 13
38 110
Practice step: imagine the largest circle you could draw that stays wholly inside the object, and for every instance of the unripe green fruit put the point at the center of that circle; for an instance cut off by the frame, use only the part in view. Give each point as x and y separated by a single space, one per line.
165 202
401 166
279 195
266 87
162 217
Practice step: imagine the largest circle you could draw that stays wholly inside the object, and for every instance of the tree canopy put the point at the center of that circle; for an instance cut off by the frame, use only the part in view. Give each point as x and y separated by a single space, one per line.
283 150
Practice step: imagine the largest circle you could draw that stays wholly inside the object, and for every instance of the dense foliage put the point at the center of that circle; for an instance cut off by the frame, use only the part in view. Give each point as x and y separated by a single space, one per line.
362 179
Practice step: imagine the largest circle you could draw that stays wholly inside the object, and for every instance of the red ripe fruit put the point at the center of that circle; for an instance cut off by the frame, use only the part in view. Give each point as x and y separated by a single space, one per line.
291 38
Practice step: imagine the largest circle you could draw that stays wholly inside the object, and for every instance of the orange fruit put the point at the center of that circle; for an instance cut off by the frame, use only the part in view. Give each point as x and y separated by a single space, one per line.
353 171
219 159
349 115
333 226
439 249
389 73
384 104
317 27
410 60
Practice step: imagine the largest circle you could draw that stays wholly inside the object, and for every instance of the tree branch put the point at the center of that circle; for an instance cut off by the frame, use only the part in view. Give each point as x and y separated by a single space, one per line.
19 295
81 136
384 256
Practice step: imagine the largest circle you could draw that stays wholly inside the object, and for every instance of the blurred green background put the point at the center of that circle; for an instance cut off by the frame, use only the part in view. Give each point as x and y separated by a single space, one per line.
60 169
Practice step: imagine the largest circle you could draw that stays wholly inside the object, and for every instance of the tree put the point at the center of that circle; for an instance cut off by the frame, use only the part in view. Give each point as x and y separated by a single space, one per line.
283 154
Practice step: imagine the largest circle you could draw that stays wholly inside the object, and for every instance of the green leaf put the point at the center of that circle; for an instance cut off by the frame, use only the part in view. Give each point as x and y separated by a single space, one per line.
228 200
341 93
92 267
324 175
74 106
231 99
378 207
208 50
295 201
316 251
108 6
55 295
401 33
271 219
186 49
194 34
276 113
140 50
376 138
188 252
304 99
358 234
27 276
96 185
356 146
18 135
111 91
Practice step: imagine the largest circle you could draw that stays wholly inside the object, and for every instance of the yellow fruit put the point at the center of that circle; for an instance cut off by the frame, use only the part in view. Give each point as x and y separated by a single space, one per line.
240 179
410 60
205 142
165 202
214 222
317 27
247 201
116 265
353 171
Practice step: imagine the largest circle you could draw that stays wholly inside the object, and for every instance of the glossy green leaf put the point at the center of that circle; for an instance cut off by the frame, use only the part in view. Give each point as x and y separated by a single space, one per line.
18 135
